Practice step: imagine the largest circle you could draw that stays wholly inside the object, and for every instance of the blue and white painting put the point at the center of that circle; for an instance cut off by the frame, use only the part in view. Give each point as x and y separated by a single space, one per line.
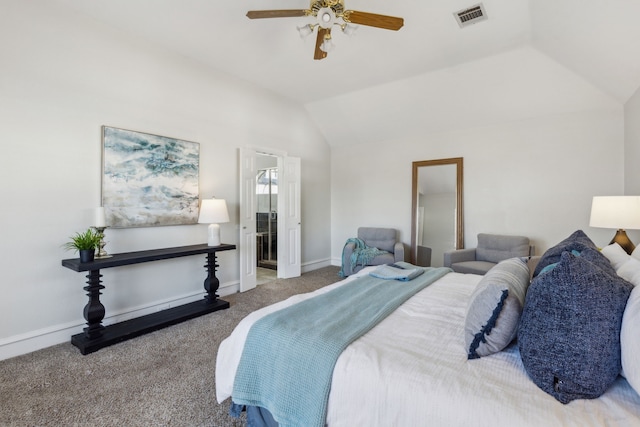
148 180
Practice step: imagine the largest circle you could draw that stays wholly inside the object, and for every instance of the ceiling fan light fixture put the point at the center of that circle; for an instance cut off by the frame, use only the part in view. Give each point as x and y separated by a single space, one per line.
326 17
305 31
327 45
349 29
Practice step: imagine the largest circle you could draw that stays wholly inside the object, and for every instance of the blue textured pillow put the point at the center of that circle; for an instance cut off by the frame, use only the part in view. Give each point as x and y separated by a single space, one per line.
569 332
596 257
578 241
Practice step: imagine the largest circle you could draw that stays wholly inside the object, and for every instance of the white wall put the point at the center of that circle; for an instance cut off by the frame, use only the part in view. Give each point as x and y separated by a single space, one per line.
534 178
632 145
63 77
551 141
632 153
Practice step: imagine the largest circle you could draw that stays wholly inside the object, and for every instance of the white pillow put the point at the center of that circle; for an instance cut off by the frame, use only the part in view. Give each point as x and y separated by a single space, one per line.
636 253
630 271
630 340
616 255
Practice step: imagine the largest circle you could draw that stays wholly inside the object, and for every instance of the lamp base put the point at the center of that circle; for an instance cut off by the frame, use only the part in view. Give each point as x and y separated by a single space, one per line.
213 233
624 242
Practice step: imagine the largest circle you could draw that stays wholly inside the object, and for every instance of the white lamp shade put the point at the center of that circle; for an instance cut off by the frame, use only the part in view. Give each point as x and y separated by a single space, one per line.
617 212
213 211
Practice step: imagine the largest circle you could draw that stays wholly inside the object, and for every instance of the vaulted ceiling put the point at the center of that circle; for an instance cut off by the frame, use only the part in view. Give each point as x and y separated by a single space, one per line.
596 40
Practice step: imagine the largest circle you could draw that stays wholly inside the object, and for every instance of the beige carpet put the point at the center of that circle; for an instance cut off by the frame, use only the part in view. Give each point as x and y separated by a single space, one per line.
165 378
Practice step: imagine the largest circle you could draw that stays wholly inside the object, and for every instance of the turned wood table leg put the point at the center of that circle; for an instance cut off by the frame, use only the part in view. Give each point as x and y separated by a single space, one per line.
94 310
211 283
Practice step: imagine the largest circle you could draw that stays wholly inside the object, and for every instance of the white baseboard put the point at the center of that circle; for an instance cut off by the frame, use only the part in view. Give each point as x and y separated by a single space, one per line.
314 265
229 289
35 340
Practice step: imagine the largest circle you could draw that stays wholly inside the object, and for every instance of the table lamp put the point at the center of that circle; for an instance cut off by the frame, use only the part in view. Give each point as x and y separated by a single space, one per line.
618 212
213 212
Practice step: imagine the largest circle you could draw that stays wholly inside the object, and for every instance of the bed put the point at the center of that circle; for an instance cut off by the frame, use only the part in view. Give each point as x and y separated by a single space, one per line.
413 368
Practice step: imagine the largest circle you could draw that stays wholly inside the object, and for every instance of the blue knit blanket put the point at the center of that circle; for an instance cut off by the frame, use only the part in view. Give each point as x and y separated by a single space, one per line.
289 355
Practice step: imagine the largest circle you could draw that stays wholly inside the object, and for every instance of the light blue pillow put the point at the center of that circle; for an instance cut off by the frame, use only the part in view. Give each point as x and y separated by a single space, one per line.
494 308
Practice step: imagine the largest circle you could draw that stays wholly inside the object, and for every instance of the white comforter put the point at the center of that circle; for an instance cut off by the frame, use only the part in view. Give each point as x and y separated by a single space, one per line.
412 370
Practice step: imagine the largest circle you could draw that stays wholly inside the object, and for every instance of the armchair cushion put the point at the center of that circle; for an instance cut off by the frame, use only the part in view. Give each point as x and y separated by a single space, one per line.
495 248
381 238
473 267
492 248
459 255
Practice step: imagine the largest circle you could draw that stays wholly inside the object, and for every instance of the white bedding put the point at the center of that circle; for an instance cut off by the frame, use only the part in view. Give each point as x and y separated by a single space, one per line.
412 370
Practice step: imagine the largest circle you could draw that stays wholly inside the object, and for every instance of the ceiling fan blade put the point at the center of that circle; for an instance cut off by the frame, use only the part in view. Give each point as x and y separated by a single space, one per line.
319 53
289 13
374 20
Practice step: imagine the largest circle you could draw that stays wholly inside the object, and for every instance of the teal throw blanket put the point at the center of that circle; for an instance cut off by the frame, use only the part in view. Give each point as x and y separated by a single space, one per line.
362 254
289 355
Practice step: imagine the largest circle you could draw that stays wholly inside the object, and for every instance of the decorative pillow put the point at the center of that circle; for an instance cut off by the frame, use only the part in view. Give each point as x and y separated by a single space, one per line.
630 271
596 257
630 340
578 241
569 333
591 255
615 254
494 309
636 253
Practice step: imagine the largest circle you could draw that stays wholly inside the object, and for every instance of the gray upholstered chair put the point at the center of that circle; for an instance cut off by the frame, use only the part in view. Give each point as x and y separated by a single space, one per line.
382 238
491 249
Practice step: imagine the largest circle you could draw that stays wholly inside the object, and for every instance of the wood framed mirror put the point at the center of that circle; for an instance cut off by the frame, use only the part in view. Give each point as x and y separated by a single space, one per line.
437 212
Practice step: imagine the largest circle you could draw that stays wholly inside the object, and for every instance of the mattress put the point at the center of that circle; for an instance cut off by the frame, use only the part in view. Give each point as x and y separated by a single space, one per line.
412 370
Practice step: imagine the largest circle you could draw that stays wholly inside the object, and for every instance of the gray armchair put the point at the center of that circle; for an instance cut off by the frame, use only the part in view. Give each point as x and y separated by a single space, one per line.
491 249
384 239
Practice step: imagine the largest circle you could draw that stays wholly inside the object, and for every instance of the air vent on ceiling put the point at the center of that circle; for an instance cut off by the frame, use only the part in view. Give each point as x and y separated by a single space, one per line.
471 15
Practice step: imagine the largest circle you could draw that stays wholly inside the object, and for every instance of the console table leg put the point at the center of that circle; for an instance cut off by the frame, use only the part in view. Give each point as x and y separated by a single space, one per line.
94 310
211 283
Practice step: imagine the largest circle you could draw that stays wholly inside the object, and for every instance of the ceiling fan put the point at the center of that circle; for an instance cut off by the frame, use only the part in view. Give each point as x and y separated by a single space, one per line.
328 13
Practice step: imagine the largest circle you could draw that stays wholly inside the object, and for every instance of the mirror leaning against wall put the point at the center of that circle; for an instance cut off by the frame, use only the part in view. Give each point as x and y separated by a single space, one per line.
436 210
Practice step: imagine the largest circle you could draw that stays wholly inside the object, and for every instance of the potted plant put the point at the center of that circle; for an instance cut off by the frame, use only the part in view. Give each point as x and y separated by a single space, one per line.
86 243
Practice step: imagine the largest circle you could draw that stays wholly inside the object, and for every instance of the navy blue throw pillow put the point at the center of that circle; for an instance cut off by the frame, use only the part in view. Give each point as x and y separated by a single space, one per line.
569 332
578 241
596 257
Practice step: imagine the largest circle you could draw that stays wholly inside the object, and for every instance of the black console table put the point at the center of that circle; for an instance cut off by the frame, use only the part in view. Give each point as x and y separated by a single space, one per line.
97 336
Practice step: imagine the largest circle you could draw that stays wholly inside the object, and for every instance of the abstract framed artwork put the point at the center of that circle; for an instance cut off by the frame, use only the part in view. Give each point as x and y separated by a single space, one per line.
148 180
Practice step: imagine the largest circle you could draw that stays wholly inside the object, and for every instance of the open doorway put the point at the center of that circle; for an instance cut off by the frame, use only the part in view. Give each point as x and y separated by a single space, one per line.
288 233
266 218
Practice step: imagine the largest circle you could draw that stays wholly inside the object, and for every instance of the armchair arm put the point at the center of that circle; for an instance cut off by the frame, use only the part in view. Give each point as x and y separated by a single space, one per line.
346 258
398 252
459 255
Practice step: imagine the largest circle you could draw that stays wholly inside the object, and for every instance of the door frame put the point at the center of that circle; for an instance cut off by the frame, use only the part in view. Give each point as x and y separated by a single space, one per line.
247 254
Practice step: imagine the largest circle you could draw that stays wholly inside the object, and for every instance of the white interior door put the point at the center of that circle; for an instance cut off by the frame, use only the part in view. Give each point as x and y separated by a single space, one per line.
289 223
247 246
